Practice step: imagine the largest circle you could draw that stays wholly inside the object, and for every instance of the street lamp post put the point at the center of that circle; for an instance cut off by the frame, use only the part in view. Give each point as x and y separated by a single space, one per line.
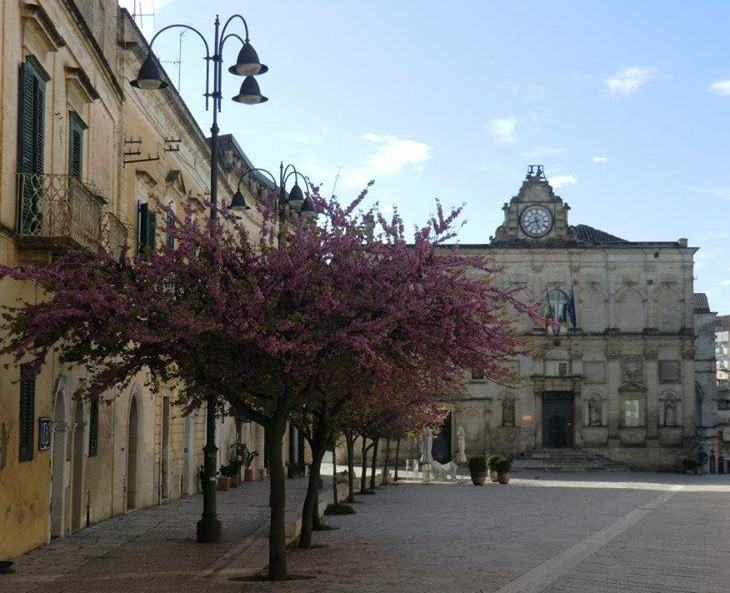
295 200
149 78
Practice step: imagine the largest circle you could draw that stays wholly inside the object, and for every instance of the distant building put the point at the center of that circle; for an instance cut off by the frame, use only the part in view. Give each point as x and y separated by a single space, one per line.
722 350
623 362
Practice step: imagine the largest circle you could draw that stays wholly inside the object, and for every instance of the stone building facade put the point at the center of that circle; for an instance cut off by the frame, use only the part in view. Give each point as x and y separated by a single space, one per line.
623 362
84 156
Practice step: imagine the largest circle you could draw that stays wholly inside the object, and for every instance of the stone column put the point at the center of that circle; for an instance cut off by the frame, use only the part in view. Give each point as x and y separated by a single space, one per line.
577 413
613 381
538 386
689 403
652 396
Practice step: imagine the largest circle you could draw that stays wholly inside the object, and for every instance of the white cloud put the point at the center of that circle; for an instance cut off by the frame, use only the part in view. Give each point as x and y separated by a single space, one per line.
599 160
503 129
544 150
392 154
721 87
718 192
630 80
561 180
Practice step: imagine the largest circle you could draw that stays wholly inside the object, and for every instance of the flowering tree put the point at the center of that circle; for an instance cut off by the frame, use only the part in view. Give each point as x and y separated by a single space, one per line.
273 323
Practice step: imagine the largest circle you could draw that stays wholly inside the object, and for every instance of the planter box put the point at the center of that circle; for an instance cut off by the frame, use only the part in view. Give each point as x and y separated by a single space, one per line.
248 475
224 483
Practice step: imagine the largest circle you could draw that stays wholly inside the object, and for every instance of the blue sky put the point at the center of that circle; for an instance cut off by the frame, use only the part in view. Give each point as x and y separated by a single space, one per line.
627 104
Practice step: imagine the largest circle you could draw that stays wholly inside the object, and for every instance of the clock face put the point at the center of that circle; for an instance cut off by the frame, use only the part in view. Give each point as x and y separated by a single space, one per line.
536 221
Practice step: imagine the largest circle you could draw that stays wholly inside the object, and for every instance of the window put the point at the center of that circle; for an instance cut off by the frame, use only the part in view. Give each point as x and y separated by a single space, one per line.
94 426
75 145
169 222
27 412
477 375
32 116
631 413
146 228
562 369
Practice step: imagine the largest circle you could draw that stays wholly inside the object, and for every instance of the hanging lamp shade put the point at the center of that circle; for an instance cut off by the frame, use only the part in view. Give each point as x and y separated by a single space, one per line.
296 196
247 63
238 202
308 207
250 93
149 77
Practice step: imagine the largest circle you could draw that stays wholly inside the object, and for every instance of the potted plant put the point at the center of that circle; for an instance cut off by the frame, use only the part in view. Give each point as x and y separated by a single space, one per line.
478 470
248 458
492 466
690 465
504 469
224 480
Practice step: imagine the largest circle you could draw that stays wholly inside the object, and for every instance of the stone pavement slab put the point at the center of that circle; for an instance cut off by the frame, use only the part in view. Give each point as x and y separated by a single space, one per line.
554 533
626 532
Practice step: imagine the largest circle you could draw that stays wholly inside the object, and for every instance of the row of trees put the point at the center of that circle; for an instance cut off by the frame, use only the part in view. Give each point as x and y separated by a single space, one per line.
346 325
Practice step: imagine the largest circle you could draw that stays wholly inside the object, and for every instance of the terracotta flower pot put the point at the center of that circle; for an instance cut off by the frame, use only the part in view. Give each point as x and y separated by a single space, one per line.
248 475
479 479
504 478
260 474
493 476
224 483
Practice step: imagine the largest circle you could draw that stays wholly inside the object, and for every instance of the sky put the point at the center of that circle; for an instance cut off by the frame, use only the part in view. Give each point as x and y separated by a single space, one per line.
626 104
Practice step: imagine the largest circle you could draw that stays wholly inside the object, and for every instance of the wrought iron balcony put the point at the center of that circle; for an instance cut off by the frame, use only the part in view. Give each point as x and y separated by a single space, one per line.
114 234
58 212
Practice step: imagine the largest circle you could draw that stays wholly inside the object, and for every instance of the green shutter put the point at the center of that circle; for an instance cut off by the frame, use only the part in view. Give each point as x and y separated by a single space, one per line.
75 145
151 231
27 413
31 137
94 427
142 215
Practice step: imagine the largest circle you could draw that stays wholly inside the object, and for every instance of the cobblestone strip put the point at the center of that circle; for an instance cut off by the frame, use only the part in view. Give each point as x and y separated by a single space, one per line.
545 574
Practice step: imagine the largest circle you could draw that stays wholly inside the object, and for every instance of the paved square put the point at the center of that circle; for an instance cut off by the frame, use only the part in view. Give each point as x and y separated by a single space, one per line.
555 533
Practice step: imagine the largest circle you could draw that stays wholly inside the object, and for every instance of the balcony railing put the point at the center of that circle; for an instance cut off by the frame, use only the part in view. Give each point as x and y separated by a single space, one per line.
114 234
58 211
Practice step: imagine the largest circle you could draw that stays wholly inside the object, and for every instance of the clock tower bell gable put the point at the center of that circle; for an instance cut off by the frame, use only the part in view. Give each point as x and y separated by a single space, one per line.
535 214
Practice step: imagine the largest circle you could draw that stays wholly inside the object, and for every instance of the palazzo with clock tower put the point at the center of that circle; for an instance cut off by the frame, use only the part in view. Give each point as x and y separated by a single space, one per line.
623 366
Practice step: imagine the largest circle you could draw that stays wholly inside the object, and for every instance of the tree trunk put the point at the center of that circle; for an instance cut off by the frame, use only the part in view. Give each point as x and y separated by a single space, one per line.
350 442
376 440
397 453
334 472
310 510
277 500
364 474
386 461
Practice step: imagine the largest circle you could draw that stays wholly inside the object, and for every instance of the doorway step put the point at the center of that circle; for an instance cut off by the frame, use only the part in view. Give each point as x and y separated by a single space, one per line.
564 460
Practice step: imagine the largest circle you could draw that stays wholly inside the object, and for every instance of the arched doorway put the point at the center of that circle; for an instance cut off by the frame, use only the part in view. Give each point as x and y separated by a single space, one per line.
189 476
77 493
132 437
165 461
58 487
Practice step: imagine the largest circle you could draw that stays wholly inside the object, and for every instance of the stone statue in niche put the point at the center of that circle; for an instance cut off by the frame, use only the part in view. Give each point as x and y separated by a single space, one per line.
508 411
594 412
426 446
670 412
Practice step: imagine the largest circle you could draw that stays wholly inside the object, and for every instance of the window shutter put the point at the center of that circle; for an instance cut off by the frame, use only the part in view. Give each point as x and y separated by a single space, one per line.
151 230
142 221
31 117
39 121
27 413
76 145
94 427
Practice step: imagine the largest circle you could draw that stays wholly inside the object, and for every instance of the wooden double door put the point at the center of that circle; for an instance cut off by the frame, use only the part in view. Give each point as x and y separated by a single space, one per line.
557 419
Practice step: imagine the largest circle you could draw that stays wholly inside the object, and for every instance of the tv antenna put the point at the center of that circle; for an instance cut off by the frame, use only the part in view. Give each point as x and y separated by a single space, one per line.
178 61
337 178
138 16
